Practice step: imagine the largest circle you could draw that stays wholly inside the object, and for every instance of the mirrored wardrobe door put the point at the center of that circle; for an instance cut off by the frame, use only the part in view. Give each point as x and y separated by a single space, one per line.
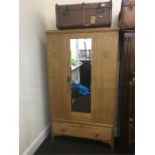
80 73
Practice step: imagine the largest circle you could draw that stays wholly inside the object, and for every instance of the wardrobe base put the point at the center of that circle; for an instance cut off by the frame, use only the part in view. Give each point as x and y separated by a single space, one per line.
82 130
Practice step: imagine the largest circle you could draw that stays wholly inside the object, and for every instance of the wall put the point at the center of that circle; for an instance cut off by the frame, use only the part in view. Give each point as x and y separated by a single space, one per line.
36 16
33 116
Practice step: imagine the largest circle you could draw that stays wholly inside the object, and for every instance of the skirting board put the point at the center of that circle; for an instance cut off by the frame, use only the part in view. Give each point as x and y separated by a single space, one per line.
37 141
41 137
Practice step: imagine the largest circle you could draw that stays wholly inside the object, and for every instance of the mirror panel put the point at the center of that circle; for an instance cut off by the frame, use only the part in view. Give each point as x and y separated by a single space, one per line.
80 63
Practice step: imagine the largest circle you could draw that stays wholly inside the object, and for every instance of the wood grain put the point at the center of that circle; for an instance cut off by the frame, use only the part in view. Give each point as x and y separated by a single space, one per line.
82 130
58 64
81 117
104 75
85 30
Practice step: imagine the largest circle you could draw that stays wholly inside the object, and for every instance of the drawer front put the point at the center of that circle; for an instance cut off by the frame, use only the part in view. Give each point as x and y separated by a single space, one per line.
82 130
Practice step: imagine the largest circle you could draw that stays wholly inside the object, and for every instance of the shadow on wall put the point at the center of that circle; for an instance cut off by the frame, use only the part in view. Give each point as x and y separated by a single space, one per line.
42 27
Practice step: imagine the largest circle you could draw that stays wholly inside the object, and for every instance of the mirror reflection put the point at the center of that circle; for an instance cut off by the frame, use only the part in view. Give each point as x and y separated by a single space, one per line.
81 54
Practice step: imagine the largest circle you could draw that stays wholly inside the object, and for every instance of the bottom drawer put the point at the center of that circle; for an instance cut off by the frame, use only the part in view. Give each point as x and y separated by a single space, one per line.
90 131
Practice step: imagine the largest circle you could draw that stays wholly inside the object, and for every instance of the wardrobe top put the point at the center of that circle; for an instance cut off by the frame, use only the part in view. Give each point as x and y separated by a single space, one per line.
83 30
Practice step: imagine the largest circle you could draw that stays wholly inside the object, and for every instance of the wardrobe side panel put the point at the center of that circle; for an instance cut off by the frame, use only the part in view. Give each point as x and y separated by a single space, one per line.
57 76
104 75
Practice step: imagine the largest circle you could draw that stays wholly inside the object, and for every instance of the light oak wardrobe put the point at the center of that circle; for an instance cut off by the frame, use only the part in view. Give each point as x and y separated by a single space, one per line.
98 122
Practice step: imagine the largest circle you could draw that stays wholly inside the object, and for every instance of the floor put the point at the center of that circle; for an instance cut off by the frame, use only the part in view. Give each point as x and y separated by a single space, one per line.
72 145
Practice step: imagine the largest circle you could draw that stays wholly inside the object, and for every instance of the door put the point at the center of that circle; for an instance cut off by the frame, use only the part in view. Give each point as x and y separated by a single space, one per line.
58 71
104 77
81 49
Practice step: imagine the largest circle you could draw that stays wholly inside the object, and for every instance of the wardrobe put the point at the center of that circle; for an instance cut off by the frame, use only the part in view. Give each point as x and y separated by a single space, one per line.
127 91
68 51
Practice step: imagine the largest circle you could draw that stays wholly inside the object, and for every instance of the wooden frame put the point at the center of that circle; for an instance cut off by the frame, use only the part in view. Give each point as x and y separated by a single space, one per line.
80 115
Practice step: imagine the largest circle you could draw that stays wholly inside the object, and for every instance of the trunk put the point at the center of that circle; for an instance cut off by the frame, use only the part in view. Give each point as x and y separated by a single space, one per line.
127 14
84 15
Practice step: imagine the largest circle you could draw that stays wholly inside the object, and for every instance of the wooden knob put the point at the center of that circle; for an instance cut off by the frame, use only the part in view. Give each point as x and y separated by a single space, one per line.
130 120
63 130
96 135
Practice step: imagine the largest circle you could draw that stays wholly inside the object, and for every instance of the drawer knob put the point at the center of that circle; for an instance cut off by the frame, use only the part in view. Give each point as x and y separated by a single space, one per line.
63 130
96 135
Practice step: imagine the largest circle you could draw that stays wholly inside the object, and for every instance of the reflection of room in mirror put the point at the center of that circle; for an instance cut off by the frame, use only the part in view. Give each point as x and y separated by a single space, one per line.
81 51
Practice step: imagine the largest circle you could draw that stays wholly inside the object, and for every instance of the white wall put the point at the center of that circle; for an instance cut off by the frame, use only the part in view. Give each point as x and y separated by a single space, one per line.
36 16
33 101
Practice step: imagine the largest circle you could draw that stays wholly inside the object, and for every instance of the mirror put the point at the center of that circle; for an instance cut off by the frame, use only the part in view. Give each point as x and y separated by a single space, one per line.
80 63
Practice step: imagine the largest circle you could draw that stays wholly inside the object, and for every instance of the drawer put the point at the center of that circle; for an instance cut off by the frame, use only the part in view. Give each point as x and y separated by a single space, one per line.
90 131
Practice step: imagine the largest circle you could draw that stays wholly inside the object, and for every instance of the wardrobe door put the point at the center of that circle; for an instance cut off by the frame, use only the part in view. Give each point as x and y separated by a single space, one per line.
104 77
58 69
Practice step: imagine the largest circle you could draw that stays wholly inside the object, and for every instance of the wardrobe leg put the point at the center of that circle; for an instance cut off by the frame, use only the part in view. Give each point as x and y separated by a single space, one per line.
52 136
112 141
112 145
